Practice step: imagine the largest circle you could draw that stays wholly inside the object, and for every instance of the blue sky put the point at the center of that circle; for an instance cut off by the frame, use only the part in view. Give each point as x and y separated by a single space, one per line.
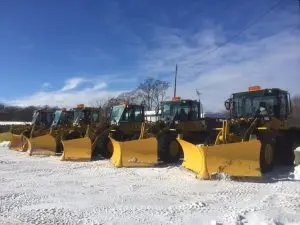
66 52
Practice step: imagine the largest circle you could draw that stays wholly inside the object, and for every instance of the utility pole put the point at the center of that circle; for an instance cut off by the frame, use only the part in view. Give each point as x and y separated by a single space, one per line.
201 108
175 82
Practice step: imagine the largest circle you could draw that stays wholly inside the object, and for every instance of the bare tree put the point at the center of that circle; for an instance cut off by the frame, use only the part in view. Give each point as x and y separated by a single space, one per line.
147 89
131 97
153 92
159 94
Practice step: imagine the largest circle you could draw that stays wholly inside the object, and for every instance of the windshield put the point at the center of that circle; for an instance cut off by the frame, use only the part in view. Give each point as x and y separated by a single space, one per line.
63 117
82 116
117 112
57 117
68 116
95 116
78 115
35 117
179 111
250 106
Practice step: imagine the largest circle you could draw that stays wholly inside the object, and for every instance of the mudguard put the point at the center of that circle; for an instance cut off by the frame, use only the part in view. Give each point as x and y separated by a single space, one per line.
79 149
235 159
42 145
135 153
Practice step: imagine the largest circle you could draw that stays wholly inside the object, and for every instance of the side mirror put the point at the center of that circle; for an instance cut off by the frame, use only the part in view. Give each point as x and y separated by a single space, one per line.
227 104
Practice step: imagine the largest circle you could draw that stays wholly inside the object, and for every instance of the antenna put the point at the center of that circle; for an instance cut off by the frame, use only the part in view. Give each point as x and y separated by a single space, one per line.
175 81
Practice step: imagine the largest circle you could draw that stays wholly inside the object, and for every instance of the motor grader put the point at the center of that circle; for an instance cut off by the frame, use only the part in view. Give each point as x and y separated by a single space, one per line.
157 141
259 134
25 138
91 131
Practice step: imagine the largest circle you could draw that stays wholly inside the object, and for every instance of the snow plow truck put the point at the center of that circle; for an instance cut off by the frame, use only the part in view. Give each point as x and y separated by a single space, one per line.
50 144
89 136
157 141
259 134
35 134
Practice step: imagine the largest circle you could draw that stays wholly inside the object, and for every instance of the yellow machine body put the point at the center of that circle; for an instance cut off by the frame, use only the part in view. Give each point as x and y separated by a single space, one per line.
17 143
235 159
135 153
42 145
5 136
79 149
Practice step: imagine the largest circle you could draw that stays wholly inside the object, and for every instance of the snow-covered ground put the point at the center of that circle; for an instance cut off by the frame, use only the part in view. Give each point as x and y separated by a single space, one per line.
13 123
44 190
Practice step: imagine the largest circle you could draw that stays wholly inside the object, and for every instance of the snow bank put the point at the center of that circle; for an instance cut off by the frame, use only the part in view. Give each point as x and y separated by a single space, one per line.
297 172
297 156
45 190
13 123
4 144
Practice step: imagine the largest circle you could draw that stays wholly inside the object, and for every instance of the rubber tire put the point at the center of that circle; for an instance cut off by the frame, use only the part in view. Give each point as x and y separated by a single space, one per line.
266 167
164 142
288 156
101 146
208 141
59 147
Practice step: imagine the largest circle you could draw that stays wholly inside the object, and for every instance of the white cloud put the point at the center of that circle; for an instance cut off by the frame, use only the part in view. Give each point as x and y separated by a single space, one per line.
267 55
46 85
68 96
269 60
95 88
73 83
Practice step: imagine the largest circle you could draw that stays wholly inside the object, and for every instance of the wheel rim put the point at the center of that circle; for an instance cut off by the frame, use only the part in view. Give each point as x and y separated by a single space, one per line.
268 154
173 148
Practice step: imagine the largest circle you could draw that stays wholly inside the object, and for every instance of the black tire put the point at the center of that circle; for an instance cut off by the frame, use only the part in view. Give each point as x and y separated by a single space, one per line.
59 147
285 146
288 156
169 149
72 135
208 140
102 146
267 155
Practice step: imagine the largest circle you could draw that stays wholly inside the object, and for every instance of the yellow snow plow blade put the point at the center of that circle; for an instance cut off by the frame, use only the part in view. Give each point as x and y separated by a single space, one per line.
18 143
79 149
6 136
136 153
235 159
42 145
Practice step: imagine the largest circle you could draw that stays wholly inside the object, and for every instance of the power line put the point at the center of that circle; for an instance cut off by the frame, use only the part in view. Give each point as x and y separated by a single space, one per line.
246 28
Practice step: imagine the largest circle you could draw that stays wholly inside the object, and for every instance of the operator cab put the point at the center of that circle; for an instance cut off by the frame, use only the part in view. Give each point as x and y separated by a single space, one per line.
180 110
63 116
86 115
42 117
259 102
127 113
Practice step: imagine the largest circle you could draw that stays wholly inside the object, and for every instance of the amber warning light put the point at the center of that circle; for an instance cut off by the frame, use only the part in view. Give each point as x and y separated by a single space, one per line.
80 106
176 98
254 88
